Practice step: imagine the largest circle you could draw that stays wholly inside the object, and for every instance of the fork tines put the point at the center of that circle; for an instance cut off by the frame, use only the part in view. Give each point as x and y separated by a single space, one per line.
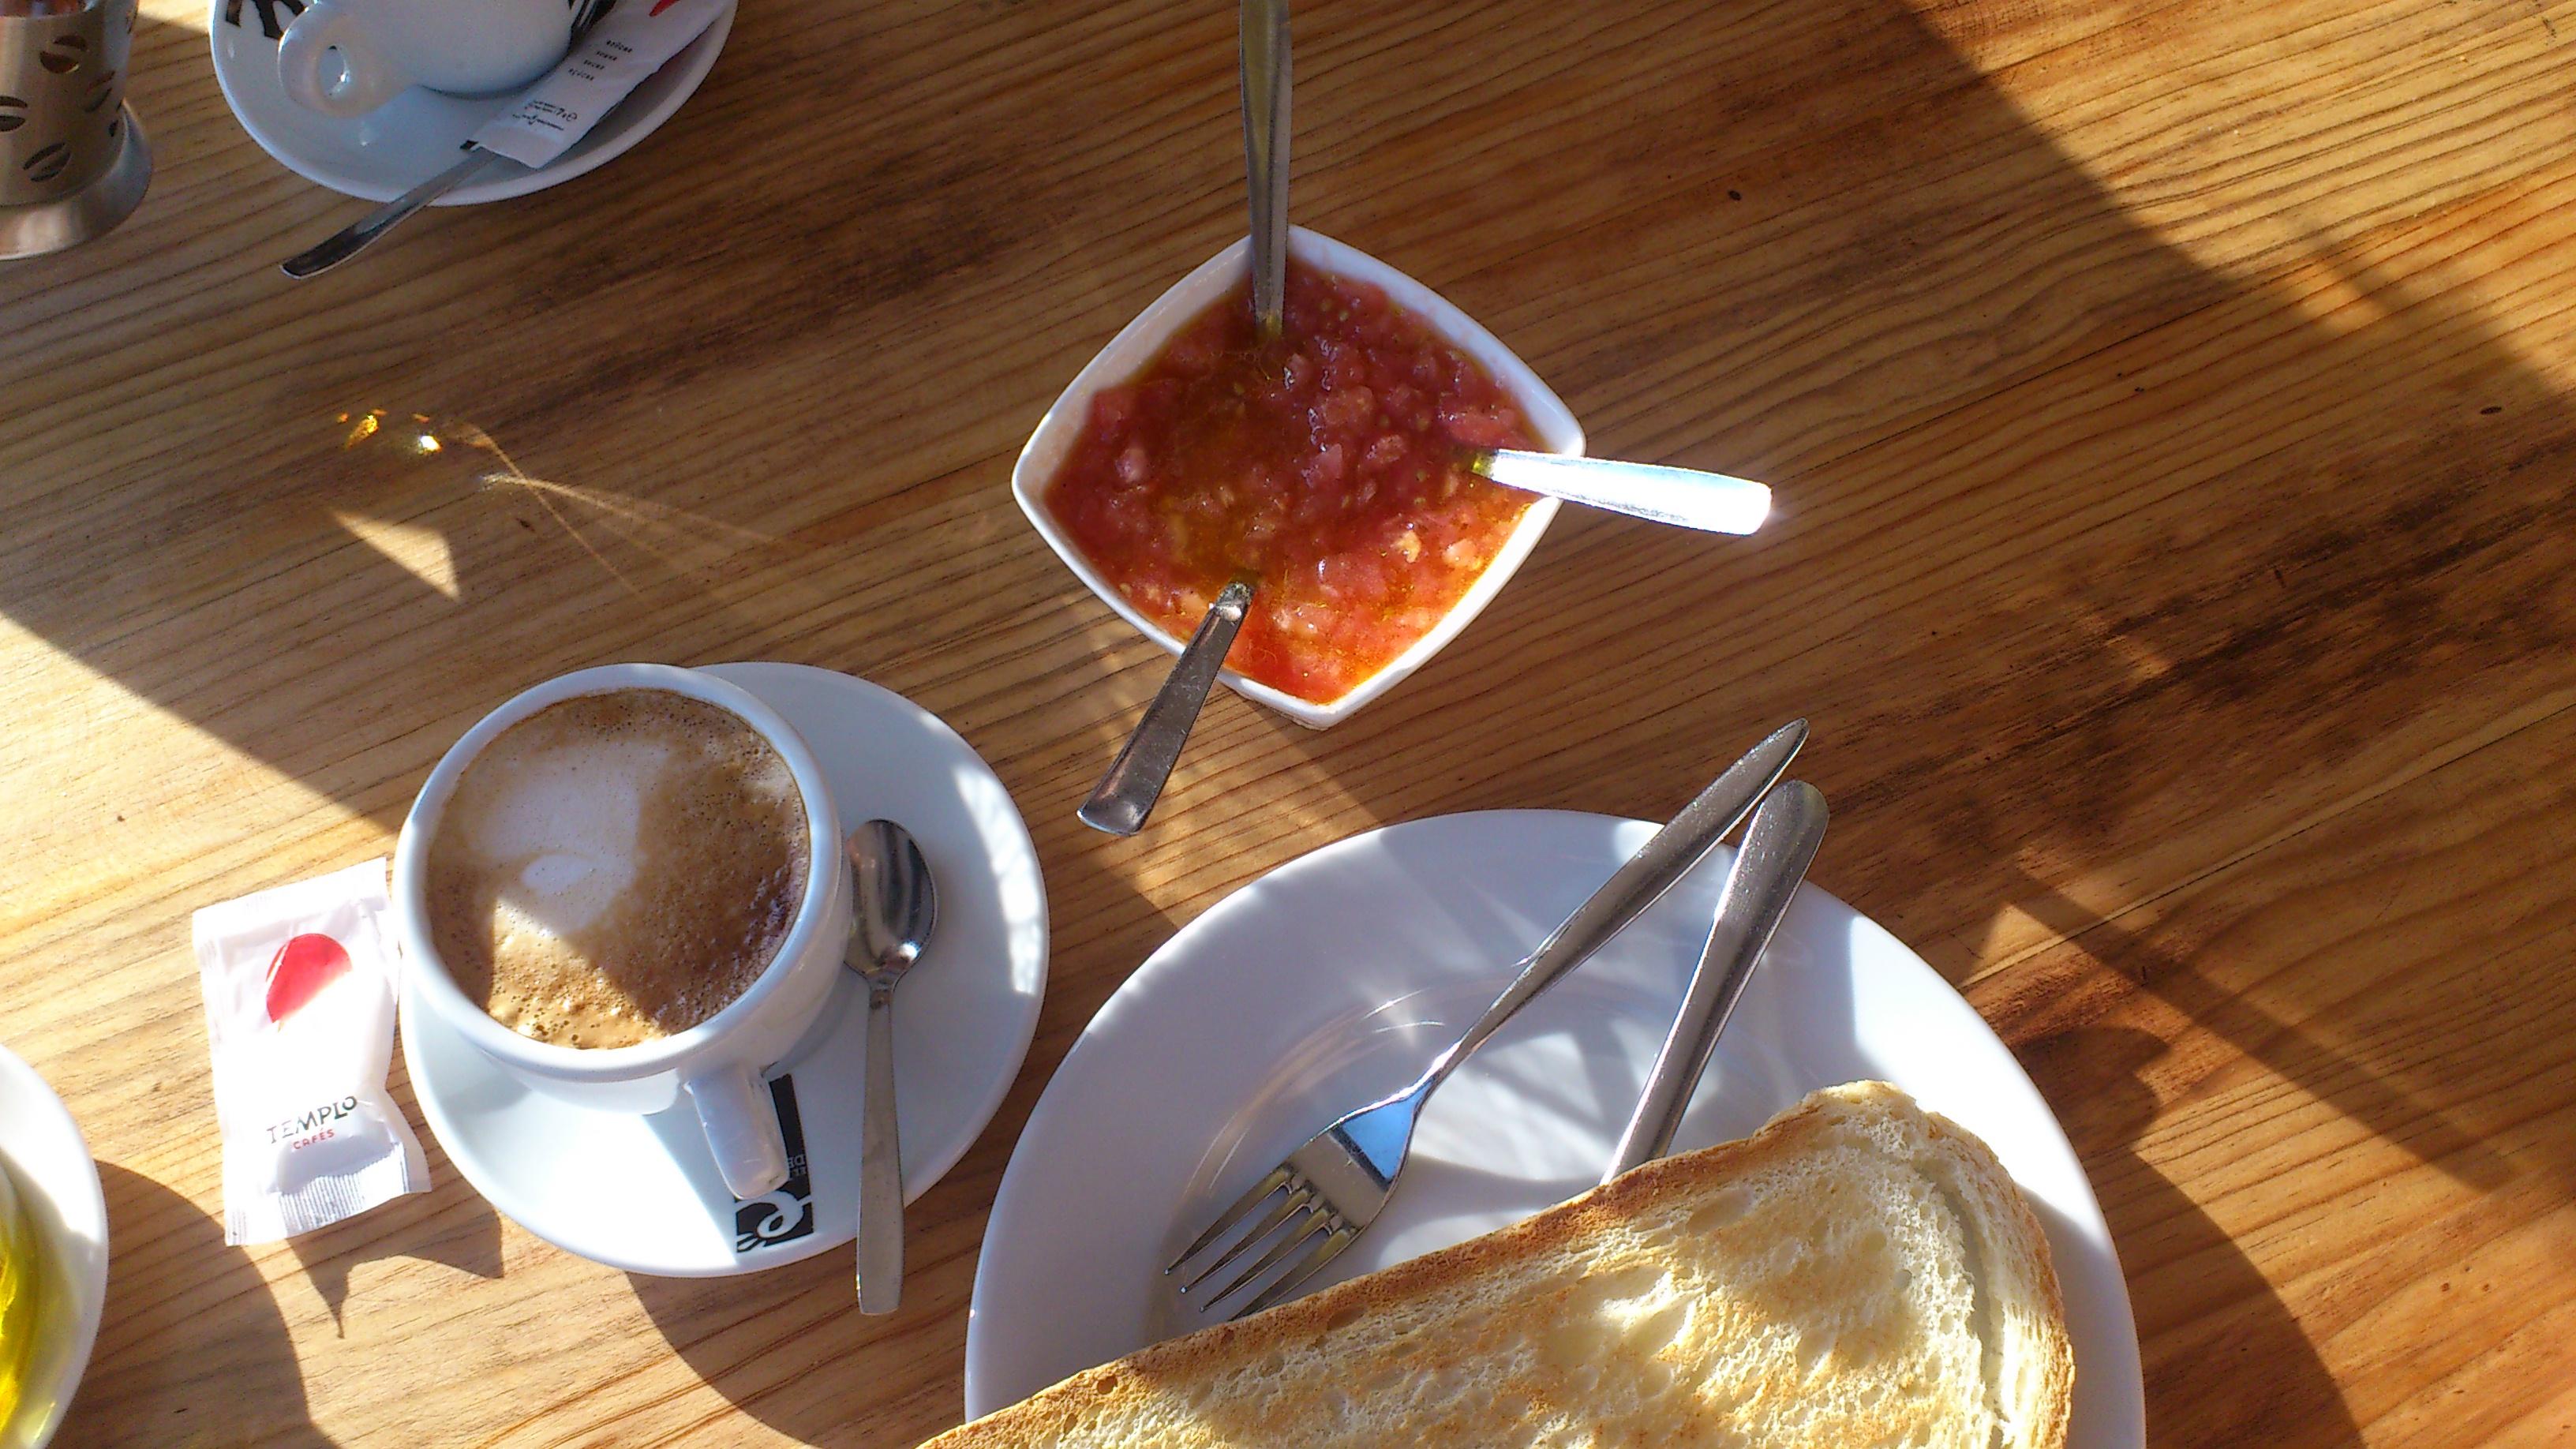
1303 1231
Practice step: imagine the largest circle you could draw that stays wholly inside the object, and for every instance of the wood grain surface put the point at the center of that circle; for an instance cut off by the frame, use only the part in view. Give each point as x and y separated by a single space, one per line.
2169 403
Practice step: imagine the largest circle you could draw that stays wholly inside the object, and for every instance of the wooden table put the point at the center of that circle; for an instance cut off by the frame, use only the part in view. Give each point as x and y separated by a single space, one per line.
2169 405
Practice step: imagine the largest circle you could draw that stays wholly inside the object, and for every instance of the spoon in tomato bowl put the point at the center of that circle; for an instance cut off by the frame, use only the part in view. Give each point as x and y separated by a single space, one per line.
1261 51
1135 780
1683 497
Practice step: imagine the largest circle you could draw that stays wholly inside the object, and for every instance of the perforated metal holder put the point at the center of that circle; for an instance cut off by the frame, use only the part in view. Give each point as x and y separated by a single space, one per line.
73 161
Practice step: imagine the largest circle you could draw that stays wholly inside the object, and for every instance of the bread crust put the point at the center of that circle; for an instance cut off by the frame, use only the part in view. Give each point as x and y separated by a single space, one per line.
2012 1231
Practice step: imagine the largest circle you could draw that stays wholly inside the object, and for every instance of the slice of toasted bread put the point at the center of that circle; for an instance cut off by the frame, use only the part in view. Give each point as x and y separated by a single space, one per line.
1858 1273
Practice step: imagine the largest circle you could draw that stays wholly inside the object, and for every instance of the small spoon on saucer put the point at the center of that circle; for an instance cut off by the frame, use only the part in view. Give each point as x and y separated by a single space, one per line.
897 907
363 233
1135 780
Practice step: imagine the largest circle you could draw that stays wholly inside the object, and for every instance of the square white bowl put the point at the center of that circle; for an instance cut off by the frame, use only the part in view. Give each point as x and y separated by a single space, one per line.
1138 342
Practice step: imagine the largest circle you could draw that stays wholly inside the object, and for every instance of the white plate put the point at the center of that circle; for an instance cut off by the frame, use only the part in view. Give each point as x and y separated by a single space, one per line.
1332 979
641 1193
42 1151
416 135
1138 342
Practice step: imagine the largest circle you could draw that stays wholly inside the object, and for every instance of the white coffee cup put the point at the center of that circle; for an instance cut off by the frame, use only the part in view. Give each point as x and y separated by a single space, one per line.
385 47
716 1065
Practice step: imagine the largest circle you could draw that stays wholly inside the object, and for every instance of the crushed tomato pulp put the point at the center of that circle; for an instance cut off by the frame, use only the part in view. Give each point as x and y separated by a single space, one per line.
1325 462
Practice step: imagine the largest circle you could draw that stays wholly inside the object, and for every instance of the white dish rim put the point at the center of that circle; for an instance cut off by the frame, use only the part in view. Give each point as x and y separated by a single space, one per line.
616 134
72 1215
2111 1406
1136 344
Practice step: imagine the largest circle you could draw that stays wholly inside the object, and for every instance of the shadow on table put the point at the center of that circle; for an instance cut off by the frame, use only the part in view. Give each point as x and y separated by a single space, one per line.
193 1341
789 1347
1871 215
2372 1098
2310 511
450 1224
771 1343
2201 1304
192 1345
2226 1363
1874 224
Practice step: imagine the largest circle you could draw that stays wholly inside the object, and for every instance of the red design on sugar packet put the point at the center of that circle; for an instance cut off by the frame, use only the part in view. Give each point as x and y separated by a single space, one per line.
658 7
300 969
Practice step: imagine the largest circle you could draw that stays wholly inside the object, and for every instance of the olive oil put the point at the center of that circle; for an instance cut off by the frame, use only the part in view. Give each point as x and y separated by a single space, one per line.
18 1282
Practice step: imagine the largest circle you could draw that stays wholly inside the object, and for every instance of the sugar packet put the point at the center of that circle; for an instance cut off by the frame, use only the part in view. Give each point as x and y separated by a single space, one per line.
299 984
606 63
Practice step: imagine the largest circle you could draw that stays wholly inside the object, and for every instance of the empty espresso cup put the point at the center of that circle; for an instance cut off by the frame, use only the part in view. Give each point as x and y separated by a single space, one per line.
716 1066
385 47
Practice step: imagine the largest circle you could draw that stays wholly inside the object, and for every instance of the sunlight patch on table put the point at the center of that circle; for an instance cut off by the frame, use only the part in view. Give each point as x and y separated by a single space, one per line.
2016 931
641 543
415 548
110 789
182 13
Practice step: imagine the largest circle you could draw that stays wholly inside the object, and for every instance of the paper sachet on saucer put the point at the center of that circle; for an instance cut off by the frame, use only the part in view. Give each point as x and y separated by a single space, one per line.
299 984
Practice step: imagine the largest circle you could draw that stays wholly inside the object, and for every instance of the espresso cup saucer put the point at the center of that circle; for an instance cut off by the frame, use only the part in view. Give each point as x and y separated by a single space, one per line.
641 1193
418 134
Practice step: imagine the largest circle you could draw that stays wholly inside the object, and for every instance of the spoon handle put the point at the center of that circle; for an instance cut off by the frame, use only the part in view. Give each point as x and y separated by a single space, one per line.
362 233
1682 496
1126 794
880 1166
1263 52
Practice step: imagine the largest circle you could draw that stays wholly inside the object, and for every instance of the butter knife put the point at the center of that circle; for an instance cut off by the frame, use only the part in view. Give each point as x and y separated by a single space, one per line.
1779 845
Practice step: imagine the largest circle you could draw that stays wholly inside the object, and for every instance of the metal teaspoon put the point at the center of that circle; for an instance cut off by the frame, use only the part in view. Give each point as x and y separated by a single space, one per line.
896 908
1126 794
1262 60
1135 780
361 234
1684 497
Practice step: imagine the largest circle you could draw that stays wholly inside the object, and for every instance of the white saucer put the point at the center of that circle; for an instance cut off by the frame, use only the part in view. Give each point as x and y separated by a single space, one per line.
641 1193
1330 981
416 135
42 1151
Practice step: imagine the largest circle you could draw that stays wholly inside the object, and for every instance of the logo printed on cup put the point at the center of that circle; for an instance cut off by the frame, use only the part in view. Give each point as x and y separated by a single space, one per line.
787 1214
269 24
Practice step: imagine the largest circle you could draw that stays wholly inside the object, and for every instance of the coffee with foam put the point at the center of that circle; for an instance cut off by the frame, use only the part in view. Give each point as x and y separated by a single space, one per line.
617 867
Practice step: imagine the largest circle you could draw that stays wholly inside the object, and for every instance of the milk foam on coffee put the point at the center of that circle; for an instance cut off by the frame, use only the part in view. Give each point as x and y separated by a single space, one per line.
616 867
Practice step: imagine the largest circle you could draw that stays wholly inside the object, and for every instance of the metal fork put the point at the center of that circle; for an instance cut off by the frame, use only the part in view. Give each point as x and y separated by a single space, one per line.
1328 1191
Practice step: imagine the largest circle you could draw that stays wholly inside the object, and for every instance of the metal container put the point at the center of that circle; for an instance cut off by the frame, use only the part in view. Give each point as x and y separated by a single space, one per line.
73 162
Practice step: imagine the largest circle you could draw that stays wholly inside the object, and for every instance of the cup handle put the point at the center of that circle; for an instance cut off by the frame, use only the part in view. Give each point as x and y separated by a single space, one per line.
371 80
742 1129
